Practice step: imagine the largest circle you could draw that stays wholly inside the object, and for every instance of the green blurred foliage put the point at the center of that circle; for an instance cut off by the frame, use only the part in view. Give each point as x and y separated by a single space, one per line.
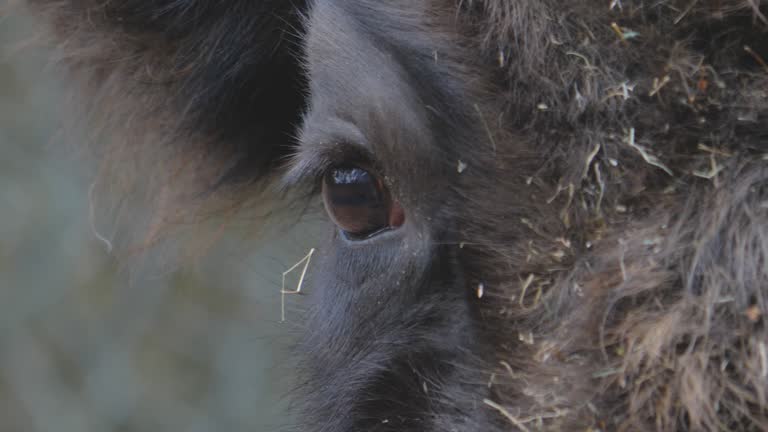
87 345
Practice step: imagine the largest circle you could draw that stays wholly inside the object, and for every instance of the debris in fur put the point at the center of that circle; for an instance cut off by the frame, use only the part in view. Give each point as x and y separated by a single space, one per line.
714 170
658 84
503 411
624 34
283 291
461 167
623 91
526 337
606 373
590 158
507 366
648 157
521 422
601 183
524 288
757 57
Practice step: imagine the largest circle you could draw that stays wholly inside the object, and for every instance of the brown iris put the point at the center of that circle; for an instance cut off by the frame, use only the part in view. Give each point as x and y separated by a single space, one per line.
359 202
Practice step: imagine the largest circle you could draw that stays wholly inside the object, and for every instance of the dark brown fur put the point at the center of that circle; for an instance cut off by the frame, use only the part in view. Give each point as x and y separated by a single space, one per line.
613 207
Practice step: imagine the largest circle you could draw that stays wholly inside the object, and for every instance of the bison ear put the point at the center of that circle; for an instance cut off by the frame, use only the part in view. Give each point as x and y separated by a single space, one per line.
193 96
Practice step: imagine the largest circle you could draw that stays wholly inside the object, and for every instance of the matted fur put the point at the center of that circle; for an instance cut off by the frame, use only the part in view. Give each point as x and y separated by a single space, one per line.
612 200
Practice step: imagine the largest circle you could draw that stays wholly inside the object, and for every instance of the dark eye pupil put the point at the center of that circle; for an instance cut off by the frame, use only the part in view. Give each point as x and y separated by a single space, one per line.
357 201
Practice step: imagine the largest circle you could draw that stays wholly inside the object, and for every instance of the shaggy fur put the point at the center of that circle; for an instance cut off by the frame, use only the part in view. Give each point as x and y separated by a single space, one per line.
598 262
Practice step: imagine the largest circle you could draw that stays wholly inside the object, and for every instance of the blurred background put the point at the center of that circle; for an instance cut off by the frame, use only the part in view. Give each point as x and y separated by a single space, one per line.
86 345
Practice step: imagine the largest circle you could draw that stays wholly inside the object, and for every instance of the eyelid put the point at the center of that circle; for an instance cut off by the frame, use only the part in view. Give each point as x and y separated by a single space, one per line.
312 161
326 141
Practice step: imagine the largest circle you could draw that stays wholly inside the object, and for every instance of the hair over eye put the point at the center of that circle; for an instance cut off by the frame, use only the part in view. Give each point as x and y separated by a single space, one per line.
359 202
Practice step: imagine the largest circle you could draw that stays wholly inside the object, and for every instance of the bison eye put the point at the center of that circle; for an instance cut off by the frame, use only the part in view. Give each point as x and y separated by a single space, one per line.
359 202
